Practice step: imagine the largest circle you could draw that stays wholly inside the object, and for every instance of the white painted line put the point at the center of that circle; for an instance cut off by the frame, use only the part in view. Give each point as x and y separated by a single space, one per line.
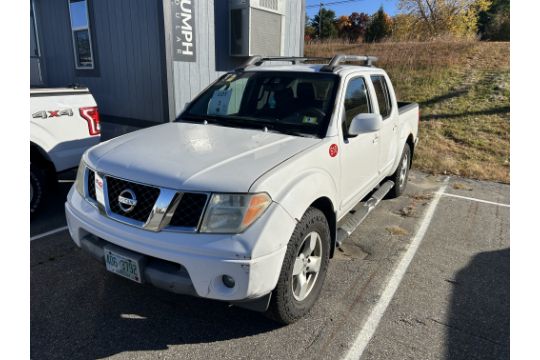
39 236
372 322
66 181
475 199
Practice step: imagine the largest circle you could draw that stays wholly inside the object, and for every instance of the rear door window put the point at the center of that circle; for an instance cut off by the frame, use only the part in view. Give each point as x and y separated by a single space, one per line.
383 95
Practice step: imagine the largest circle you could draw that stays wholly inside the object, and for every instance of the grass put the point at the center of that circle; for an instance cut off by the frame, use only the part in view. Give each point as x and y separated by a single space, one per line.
397 230
463 88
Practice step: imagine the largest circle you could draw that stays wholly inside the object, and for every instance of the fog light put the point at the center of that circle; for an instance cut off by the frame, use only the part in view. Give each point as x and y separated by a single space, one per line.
228 281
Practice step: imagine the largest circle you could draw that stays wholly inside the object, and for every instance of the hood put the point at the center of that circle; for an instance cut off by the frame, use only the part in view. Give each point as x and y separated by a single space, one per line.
195 157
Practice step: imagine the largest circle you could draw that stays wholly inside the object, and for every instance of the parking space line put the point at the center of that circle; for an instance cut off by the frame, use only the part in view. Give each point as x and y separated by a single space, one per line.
372 322
475 199
39 236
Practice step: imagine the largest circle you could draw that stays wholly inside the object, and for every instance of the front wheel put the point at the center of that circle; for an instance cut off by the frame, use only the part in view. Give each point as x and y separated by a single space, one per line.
401 175
304 269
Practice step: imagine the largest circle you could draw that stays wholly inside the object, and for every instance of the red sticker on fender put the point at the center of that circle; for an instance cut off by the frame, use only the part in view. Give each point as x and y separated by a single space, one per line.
333 150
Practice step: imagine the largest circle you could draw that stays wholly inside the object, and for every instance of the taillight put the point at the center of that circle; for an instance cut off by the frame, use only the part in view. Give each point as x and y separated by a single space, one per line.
91 115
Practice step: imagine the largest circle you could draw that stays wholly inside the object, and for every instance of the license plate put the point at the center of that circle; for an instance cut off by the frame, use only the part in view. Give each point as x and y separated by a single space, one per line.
123 265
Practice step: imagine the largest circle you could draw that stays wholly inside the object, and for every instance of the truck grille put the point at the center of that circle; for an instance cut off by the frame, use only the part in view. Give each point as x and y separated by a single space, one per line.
187 215
146 198
92 185
189 211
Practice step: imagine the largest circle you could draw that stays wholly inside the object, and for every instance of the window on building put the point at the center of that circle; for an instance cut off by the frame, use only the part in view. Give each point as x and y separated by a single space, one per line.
356 101
80 31
383 95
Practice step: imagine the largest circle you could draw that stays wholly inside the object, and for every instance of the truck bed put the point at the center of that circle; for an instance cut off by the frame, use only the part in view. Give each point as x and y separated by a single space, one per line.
404 106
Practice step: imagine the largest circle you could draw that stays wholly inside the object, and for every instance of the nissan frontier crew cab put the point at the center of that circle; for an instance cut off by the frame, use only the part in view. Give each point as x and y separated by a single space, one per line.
246 195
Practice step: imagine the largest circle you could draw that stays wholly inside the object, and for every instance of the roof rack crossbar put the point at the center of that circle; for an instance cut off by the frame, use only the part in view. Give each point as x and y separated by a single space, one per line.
258 60
341 58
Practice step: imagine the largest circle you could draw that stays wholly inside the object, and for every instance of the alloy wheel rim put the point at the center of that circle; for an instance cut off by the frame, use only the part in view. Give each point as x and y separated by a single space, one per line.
403 172
307 266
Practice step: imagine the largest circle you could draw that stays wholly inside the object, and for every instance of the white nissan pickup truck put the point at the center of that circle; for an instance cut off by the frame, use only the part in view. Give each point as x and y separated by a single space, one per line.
64 122
246 195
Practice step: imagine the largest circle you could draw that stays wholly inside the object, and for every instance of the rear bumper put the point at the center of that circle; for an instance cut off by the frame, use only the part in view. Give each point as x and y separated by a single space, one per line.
204 258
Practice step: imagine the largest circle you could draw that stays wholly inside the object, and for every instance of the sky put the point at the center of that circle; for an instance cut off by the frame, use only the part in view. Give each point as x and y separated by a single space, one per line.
367 6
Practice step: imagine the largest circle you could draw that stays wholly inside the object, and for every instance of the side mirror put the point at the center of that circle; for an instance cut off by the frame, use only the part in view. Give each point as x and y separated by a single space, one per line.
364 123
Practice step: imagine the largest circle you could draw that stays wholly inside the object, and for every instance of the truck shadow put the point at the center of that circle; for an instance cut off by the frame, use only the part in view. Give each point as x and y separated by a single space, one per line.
493 111
479 317
79 311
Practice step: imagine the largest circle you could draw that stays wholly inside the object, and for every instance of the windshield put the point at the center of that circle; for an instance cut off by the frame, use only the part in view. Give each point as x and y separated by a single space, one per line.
290 102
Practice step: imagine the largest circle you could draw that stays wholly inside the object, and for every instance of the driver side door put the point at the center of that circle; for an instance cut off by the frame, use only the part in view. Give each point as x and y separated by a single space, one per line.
359 158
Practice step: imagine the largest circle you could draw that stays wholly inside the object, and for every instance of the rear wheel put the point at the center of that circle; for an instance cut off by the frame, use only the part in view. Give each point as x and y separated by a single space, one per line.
37 188
304 269
401 176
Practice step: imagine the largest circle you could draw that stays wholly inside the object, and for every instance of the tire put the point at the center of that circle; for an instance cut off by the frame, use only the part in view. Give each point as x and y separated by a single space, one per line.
291 301
401 175
37 188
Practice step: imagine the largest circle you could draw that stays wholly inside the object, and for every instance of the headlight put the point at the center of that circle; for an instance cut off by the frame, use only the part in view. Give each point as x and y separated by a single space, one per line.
233 213
79 181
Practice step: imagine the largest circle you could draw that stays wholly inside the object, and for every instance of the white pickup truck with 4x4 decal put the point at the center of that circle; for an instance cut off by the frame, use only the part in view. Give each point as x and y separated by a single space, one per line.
246 195
64 122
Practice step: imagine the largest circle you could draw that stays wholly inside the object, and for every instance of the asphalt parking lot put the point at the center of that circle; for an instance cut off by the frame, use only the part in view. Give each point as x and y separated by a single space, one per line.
425 277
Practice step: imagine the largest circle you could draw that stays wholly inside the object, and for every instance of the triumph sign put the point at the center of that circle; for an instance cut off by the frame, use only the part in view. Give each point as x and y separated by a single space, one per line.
183 23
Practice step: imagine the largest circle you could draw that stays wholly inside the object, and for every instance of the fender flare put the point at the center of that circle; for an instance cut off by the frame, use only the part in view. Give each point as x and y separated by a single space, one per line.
315 188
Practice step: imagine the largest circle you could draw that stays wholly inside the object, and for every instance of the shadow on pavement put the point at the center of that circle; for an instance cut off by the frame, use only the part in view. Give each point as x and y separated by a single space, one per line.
79 311
479 320
51 214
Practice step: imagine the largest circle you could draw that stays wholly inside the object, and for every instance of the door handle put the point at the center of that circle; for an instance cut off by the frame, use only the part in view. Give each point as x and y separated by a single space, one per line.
394 128
376 139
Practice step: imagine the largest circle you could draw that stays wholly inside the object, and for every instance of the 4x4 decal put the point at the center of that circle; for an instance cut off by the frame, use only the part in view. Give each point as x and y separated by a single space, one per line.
52 113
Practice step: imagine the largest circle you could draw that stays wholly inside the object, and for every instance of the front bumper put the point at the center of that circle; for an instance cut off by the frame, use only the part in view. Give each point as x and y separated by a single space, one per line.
253 258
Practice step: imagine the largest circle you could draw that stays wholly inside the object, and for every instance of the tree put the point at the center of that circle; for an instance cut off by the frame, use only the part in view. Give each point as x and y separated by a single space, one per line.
353 27
343 27
309 33
359 23
443 17
494 23
403 28
324 24
379 26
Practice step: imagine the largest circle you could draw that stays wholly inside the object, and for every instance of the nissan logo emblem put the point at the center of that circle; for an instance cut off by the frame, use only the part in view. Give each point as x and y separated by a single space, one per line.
127 200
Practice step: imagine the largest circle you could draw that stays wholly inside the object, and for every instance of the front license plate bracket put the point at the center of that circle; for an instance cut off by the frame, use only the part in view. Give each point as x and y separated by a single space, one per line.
125 263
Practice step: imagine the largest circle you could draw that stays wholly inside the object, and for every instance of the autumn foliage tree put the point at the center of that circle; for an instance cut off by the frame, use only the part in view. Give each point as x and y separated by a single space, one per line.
435 18
352 28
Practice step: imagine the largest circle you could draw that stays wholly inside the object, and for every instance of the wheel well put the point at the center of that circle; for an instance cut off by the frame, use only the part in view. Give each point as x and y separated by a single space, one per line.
410 141
325 205
39 156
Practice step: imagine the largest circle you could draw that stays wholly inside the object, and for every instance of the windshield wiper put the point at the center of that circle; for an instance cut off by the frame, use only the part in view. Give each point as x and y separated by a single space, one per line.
286 130
192 118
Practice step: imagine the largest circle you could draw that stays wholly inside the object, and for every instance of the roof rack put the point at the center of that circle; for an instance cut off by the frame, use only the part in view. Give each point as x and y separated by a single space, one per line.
339 59
258 60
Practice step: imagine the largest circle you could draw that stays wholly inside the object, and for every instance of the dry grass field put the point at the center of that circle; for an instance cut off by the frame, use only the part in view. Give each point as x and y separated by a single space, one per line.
463 89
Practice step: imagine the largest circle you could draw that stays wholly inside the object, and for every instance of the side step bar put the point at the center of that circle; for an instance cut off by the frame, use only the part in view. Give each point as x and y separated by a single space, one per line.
352 221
